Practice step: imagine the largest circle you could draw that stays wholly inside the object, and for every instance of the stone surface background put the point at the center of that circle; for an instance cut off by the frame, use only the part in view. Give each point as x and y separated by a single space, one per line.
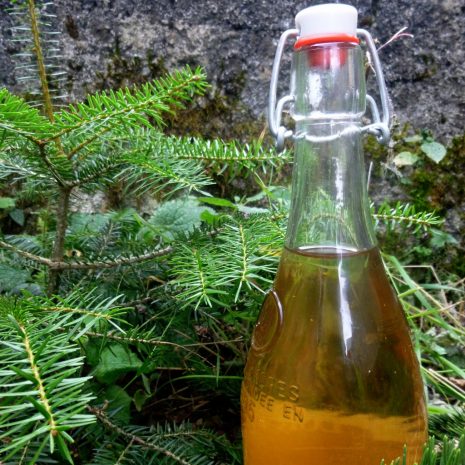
235 41
111 43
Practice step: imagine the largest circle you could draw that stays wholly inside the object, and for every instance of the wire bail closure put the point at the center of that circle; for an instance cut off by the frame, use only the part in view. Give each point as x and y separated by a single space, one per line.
380 125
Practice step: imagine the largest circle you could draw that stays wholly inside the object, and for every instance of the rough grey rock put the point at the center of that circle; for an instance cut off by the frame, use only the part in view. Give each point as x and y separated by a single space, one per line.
235 41
110 43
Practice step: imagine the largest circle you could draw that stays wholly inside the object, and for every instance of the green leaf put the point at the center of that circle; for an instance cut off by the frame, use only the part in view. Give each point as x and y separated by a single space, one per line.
140 397
405 159
441 239
177 216
217 202
434 150
115 361
17 215
119 403
11 278
6 203
210 218
413 139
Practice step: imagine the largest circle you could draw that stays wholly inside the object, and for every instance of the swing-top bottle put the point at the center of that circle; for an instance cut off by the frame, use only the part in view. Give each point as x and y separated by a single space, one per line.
331 377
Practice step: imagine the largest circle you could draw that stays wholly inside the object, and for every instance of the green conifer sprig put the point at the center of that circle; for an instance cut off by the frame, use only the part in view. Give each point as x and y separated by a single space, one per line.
406 215
152 172
242 255
450 423
130 107
17 117
42 394
25 32
161 445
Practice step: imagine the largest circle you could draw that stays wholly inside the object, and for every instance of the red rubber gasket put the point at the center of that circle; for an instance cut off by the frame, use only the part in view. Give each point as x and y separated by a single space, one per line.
325 39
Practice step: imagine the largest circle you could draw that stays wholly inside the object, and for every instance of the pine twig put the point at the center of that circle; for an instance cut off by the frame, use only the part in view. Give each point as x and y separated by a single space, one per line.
38 380
61 265
103 418
59 243
40 60
158 342
121 458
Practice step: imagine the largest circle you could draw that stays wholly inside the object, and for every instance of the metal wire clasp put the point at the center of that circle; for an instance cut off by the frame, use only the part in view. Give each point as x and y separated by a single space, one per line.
380 125
274 111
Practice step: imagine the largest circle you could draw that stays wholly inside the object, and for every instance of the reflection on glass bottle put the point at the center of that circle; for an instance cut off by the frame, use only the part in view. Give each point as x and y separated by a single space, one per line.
331 377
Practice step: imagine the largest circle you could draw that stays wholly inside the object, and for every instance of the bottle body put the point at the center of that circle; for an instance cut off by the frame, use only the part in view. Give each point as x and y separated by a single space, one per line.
331 377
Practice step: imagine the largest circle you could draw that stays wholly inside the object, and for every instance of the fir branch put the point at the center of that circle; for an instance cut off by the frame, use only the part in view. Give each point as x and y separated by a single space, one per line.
79 311
158 342
131 108
161 445
407 215
133 438
122 457
195 283
193 148
41 397
452 422
58 249
17 117
58 166
97 265
40 60
244 252
151 160
28 255
34 24
152 172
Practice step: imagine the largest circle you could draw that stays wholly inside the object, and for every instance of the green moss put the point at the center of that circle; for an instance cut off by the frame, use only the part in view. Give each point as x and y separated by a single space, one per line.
220 114
441 185
374 150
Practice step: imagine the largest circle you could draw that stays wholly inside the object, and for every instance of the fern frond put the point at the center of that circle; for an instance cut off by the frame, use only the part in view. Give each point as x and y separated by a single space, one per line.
131 107
406 215
41 395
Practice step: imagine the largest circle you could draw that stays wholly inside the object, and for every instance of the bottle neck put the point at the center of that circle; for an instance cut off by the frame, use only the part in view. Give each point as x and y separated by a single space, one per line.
329 206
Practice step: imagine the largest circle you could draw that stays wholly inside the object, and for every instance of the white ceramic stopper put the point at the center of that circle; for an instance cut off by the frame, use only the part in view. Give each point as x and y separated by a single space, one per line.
327 19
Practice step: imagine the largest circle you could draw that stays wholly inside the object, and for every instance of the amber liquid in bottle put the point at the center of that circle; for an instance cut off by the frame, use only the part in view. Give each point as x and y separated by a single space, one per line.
331 377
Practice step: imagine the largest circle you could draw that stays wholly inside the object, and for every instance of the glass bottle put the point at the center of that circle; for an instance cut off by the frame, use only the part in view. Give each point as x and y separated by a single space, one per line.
331 377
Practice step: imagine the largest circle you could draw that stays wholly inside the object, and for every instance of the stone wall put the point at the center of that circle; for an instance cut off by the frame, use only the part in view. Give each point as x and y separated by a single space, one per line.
111 43
114 42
